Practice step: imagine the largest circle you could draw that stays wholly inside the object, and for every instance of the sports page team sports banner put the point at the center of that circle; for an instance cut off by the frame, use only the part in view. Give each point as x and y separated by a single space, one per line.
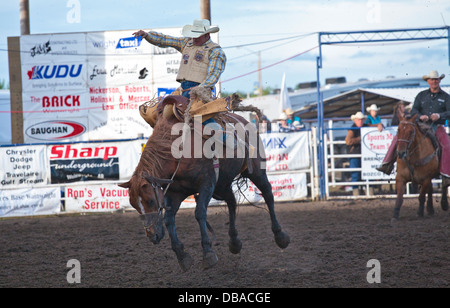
374 146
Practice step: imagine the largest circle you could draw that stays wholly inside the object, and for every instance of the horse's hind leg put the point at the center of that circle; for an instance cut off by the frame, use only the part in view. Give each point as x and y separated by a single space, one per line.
261 181
424 191
235 243
184 259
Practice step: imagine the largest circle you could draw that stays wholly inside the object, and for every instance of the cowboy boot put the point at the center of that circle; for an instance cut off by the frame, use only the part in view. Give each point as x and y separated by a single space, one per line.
391 156
444 142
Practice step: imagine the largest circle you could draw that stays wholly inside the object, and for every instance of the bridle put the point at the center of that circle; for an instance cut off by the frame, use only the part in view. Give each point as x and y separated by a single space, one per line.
150 219
409 142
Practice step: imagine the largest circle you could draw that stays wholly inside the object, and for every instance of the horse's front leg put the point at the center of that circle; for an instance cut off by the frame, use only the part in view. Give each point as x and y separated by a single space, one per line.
172 206
424 191
209 256
401 187
430 209
444 199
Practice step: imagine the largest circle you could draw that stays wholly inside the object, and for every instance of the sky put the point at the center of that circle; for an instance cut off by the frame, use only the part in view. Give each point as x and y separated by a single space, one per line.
284 32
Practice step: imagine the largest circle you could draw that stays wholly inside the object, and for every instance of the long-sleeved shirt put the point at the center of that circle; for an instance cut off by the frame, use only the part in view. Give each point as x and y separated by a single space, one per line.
427 103
217 58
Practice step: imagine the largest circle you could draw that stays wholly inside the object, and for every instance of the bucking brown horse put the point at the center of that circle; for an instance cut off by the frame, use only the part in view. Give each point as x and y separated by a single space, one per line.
418 162
162 180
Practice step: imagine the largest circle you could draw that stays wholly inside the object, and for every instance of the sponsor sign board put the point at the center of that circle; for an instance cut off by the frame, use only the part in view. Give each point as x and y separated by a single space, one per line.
96 198
23 166
374 146
286 151
30 201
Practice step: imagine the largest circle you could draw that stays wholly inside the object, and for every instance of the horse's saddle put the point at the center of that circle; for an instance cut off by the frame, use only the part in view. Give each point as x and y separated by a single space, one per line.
178 104
196 107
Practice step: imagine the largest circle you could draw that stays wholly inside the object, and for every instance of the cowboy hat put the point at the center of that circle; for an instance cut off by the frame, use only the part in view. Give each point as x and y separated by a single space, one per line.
433 75
372 107
199 28
289 111
358 115
283 116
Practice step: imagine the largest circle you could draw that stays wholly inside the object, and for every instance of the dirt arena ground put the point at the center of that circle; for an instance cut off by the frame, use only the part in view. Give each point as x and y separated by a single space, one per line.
331 243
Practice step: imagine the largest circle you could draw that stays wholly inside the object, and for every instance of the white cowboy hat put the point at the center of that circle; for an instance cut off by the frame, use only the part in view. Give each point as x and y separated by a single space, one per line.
358 115
199 28
372 107
289 111
433 75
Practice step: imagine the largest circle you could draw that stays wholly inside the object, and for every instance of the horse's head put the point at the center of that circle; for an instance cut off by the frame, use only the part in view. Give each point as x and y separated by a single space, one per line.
405 135
147 197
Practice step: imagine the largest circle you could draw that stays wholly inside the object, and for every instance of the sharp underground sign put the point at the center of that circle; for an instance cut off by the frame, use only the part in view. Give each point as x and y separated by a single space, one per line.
83 162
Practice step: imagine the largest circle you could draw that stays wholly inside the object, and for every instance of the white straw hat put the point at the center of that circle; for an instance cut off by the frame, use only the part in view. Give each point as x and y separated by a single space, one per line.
433 75
199 28
372 107
358 115
289 111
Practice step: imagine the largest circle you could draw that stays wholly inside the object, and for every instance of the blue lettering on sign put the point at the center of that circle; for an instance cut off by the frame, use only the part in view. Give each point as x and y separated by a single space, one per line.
274 143
129 42
55 71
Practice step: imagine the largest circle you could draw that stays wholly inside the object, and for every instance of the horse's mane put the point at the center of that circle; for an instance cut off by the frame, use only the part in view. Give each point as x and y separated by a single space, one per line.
157 151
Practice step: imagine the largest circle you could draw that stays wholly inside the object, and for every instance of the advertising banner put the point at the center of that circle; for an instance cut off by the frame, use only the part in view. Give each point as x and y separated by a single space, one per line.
108 161
39 130
50 48
59 104
30 201
96 198
374 146
286 151
23 166
54 76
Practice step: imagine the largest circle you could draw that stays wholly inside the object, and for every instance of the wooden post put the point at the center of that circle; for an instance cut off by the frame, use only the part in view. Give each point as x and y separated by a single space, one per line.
205 9
24 17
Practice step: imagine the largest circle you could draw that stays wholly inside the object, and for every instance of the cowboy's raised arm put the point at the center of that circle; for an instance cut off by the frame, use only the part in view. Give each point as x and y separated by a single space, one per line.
162 40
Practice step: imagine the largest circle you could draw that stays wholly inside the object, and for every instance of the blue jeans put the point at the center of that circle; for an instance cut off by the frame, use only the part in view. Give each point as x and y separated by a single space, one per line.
187 85
356 175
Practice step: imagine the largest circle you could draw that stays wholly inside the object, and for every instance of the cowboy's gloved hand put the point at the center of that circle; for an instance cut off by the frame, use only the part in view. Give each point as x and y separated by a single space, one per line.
140 33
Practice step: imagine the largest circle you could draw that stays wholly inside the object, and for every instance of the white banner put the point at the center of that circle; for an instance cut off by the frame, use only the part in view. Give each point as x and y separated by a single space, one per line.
96 198
374 146
285 187
54 76
50 48
71 103
30 201
286 151
23 166
120 70
67 128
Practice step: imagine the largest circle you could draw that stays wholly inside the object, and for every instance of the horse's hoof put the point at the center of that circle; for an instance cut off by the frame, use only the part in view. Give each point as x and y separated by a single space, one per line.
282 240
209 260
235 246
394 220
186 262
